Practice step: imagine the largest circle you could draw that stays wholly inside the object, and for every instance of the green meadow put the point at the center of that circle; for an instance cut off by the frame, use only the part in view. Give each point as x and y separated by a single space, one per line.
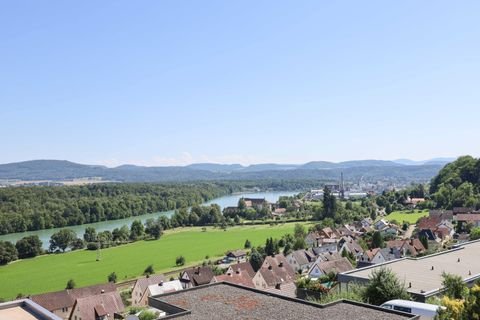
51 272
407 216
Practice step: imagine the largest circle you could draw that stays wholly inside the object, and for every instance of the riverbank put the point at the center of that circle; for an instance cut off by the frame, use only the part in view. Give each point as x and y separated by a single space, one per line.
51 272
224 201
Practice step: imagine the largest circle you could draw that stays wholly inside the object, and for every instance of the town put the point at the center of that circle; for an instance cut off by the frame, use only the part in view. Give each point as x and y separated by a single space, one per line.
380 256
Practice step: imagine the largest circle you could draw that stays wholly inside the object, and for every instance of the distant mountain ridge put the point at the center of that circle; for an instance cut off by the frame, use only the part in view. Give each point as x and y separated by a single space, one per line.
355 169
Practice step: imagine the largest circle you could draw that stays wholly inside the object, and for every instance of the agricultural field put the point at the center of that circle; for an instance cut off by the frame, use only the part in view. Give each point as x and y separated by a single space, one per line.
51 272
406 215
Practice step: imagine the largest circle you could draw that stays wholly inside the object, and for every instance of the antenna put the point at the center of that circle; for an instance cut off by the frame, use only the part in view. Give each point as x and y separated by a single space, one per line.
342 187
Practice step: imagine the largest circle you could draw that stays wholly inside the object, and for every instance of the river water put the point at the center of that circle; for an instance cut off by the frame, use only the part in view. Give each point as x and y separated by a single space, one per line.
225 201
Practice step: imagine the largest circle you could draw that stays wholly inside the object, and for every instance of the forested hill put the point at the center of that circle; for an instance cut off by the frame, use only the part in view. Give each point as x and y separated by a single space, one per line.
35 208
458 184
319 170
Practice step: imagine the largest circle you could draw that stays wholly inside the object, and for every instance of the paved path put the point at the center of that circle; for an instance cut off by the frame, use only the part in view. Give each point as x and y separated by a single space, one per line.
408 233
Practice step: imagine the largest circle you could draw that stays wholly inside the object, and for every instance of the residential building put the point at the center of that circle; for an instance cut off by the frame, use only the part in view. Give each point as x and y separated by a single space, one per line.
275 271
301 260
141 286
325 247
320 267
351 246
256 203
468 218
240 277
411 247
441 214
423 276
196 276
224 300
241 267
160 288
25 309
462 210
103 306
373 256
440 229
380 224
61 303
236 256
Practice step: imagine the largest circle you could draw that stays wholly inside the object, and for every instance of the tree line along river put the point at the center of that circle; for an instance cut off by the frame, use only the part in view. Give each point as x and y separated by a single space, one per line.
225 201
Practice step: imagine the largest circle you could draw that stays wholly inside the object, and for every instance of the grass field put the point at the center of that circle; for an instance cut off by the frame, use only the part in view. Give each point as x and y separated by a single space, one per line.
406 215
51 272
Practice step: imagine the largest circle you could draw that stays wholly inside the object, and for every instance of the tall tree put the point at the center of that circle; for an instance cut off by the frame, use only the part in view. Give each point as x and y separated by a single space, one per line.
62 239
136 230
29 247
377 240
256 259
8 252
329 203
90 234
153 228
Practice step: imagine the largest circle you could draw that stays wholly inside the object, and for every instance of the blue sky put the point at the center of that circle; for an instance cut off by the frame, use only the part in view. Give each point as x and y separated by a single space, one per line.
175 82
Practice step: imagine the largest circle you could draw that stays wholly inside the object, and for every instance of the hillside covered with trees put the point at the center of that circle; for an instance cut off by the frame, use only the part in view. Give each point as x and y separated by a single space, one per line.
457 184
35 208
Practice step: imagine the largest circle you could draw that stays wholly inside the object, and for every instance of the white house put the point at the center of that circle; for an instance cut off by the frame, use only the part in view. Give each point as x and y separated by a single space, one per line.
160 288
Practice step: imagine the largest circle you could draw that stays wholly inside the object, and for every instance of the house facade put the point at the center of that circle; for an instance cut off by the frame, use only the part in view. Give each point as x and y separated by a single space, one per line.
141 286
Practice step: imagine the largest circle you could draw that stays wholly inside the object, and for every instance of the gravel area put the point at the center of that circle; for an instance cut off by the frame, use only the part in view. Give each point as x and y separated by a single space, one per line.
223 301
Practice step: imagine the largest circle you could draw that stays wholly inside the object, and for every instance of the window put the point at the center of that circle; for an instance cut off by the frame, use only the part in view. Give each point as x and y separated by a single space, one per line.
404 309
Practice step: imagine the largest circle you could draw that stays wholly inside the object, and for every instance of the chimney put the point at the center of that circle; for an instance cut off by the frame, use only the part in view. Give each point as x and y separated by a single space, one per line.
277 286
269 267
432 267
409 284
102 291
161 283
280 264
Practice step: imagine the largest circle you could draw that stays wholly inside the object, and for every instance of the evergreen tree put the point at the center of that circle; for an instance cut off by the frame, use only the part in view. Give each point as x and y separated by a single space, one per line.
256 260
383 286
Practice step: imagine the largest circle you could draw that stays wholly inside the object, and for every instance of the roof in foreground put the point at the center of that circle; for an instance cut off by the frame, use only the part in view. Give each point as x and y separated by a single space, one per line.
225 301
24 310
462 261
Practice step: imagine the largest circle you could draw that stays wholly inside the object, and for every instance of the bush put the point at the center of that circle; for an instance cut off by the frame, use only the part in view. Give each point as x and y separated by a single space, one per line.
112 277
70 284
92 246
148 270
148 315
180 261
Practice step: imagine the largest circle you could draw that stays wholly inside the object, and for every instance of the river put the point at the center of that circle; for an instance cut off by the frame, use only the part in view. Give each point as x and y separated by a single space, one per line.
225 201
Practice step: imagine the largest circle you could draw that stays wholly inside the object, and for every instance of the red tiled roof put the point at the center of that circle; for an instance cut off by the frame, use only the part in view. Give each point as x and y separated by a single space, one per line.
66 298
200 275
241 278
468 217
276 270
243 267
103 304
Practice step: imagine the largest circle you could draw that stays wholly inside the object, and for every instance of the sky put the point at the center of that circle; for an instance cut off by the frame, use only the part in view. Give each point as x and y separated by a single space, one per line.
177 82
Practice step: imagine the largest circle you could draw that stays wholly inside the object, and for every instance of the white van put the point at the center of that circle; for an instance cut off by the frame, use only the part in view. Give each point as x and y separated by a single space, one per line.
424 310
